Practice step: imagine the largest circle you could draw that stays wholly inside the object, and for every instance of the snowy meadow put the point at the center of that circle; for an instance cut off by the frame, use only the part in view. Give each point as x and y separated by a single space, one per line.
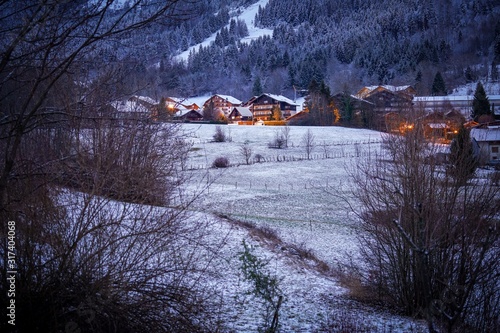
301 202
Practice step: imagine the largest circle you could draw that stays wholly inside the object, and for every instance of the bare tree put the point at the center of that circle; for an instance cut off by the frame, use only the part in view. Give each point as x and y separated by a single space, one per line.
285 134
44 45
246 152
308 142
103 240
430 241
279 141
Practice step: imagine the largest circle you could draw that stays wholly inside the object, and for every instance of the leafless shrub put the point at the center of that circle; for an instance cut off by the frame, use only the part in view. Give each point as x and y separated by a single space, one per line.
429 240
135 163
88 261
220 162
258 158
75 177
279 141
219 135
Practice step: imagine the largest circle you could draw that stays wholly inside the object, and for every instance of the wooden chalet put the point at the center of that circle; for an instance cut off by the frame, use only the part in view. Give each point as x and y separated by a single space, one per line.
440 125
222 104
135 108
169 107
175 104
387 100
362 110
263 106
186 115
241 115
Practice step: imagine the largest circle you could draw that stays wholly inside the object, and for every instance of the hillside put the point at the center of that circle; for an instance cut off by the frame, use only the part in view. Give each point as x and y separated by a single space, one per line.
225 46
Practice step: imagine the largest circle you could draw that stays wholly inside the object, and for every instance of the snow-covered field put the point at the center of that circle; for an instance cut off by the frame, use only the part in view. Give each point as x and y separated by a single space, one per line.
302 201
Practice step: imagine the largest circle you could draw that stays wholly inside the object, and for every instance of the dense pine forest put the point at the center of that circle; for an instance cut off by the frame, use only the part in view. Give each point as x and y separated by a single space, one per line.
345 44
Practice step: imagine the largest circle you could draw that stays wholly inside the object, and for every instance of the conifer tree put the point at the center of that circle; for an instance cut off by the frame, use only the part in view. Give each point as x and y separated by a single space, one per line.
257 87
494 72
480 104
438 86
462 159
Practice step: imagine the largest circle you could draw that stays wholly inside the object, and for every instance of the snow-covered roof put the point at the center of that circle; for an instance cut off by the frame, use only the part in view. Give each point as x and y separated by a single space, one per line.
230 99
491 133
181 101
129 106
146 99
437 125
244 111
183 112
389 87
442 98
281 98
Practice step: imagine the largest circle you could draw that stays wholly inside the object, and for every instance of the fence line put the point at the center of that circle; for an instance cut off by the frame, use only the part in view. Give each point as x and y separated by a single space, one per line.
282 187
295 158
331 144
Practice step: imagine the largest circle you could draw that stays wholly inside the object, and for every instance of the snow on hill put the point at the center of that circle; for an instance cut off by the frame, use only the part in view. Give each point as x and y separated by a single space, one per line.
491 88
296 200
245 14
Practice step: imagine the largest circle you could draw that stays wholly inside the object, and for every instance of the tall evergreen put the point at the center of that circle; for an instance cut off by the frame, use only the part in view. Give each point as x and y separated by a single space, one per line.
480 104
320 105
438 86
462 160
257 87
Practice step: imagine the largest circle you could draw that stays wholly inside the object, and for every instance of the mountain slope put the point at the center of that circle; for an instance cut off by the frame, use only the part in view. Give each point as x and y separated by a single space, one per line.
228 45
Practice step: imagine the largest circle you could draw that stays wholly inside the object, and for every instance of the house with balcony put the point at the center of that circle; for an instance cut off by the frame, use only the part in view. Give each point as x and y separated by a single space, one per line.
221 104
388 102
266 105
241 115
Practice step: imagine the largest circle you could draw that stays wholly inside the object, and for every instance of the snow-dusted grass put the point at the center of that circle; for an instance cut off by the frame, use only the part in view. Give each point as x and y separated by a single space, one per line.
302 201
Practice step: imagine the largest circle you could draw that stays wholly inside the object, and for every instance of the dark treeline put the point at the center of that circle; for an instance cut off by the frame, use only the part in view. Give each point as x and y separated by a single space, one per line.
345 44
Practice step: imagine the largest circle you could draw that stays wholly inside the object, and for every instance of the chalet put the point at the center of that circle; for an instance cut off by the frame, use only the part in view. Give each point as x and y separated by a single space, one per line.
169 108
136 107
186 115
387 99
366 92
439 125
175 104
221 104
487 140
361 111
145 101
241 115
263 106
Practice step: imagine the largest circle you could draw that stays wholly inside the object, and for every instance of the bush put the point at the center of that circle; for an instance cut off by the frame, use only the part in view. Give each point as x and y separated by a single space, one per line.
221 162
219 135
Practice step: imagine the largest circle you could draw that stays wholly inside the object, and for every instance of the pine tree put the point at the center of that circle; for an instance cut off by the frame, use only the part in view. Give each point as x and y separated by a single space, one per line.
257 87
480 104
438 86
462 159
469 75
494 72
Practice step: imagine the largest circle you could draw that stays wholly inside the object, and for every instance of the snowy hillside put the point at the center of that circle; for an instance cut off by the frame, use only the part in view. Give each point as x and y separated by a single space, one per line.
247 15
299 200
